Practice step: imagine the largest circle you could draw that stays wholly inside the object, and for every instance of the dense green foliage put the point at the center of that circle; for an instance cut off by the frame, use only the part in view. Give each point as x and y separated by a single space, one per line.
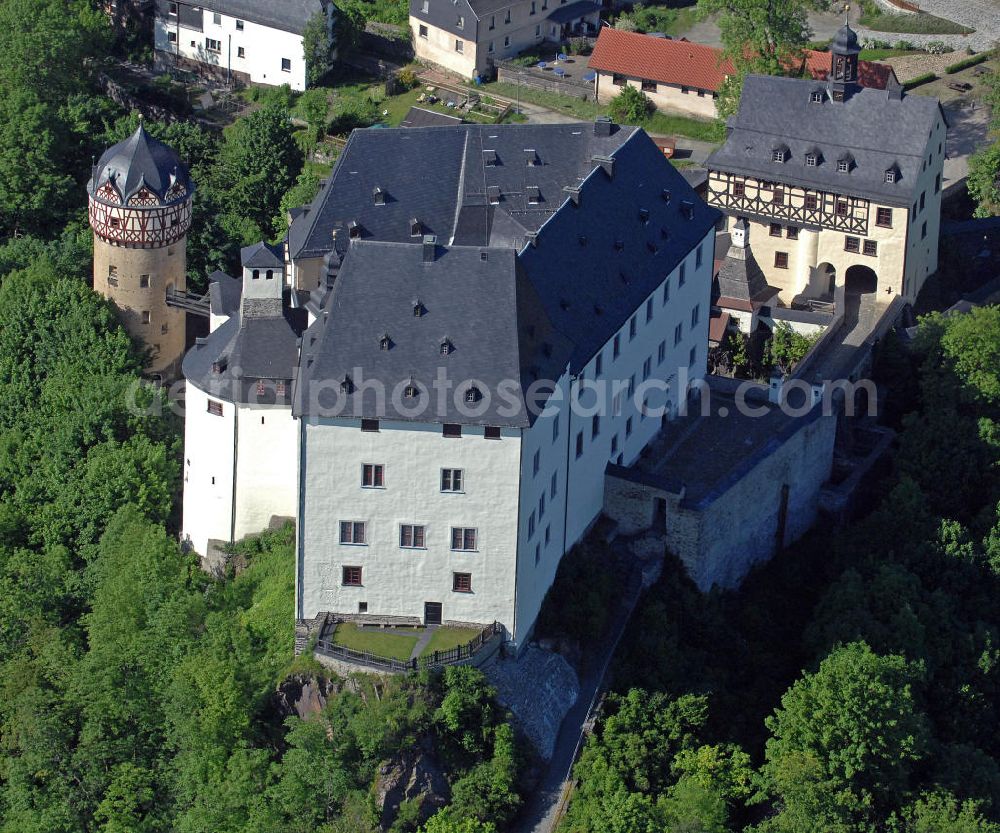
892 727
630 106
984 165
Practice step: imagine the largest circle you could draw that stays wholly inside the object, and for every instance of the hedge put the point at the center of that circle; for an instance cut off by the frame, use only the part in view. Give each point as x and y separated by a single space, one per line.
926 78
971 61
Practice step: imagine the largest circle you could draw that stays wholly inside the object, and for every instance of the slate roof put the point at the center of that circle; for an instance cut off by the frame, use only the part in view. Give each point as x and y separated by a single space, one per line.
683 63
263 256
140 160
224 293
250 349
741 278
473 298
441 177
876 130
419 117
287 15
573 11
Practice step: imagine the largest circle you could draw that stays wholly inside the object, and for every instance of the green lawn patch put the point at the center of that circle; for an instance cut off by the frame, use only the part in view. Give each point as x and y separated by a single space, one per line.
913 24
883 54
444 639
380 643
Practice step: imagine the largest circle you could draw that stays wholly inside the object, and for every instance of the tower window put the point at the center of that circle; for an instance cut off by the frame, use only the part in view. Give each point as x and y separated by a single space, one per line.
461 582
144 281
781 260
145 316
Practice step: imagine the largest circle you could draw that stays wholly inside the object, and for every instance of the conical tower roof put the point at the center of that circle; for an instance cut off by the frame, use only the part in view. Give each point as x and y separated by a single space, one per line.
142 161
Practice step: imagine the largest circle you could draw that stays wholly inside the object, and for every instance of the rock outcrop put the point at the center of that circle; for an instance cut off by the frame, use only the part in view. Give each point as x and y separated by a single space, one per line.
303 695
414 777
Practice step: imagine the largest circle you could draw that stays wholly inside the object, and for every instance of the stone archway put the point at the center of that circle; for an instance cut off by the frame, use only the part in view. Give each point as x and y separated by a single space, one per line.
860 280
822 280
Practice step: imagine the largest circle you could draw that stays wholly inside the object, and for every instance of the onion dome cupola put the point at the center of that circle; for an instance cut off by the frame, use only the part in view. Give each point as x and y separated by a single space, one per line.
140 193
844 51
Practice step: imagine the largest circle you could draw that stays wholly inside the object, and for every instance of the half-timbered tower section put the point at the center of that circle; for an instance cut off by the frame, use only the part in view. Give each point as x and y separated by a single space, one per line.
840 184
140 211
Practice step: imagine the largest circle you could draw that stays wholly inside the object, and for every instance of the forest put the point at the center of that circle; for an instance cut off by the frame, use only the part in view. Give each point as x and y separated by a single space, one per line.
852 685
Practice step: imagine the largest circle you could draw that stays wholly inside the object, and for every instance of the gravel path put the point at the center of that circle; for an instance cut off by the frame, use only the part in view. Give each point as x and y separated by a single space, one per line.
981 15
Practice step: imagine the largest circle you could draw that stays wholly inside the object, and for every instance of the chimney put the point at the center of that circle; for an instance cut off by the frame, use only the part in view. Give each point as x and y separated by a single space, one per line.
603 126
573 192
430 248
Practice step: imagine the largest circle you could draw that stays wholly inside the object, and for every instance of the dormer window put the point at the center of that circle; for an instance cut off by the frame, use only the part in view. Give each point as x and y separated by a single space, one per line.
816 96
385 343
687 209
416 227
844 164
665 194
530 156
353 229
489 158
460 22
812 159
411 391
890 175
644 215
582 239
347 385
418 309
534 195
493 194
446 347
379 194
473 395
779 154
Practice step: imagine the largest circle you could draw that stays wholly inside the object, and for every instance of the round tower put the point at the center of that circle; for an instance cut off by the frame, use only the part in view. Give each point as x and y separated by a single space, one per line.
140 211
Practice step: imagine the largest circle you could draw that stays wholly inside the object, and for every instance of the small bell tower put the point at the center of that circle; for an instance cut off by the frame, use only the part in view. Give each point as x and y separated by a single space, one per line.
844 51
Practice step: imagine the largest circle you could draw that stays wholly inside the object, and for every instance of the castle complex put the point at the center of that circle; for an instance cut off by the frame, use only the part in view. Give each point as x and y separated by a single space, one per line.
454 361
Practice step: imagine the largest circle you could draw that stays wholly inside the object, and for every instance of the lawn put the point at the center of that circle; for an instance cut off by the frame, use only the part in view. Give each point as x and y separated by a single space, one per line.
883 54
658 123
380 643
444 639
913 24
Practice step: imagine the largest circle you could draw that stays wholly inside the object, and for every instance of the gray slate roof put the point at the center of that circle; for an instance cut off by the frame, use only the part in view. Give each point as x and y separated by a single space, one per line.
263 256
287 15
876 130
440 177
573 11
741 277
475 298
419 117
224 293
140 159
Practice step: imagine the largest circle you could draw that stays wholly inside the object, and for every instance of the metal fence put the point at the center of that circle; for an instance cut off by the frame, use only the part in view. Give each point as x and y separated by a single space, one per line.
514 74
436 659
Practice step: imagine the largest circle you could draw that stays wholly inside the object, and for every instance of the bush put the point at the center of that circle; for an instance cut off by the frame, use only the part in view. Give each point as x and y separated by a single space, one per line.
936 47
407 78
630 106
926 78
965 63
903 45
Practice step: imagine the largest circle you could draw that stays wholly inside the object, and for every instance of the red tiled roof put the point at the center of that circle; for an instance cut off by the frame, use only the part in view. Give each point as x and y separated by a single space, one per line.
689 64
717 326
658 59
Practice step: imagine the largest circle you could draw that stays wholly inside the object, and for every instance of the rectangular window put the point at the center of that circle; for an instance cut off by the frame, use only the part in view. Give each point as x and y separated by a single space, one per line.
778 196
286 64
536 463
692 356
463 538
666 291
460 46
411 536
214 408
241 52
452 480
699 256
678 334
628 427
491 432
493 22
351 577
579 444
217 19
682 274
555 428
145 316
451 429
923 231
595 426
649 310
461 582
506 39
852 244
599 365
614 445
648 86
541 506
554 486
172 9
531 525
616 404
781 260
811 202
460 23
212 45
369 425
841 208
647 368
883 217
792 233
491 48
172 37
937 184
372 475
422 31
870 248
694 315
616 347
661 352
239 25
775 230
631 328
352 532
618 80
143 281
923 199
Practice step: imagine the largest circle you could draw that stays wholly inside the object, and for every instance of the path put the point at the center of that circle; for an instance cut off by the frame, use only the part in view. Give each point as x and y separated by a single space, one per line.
549 800
981 15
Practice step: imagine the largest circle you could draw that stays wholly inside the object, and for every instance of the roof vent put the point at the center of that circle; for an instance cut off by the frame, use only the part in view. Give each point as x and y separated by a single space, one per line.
531 157
493 194
687 209
430 247
416 227
583 239
385 343
489 158
619 245
418 309
644 215
606 163
379 194
347 385
598 310
603 126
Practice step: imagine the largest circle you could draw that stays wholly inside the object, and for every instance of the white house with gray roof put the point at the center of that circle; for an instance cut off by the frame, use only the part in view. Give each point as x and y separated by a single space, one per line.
251 41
